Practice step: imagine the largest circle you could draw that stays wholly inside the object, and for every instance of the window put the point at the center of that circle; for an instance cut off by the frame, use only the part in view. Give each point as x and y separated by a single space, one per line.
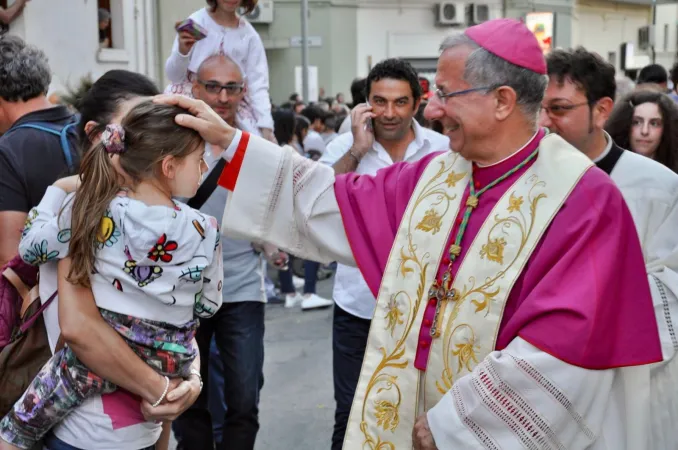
111 32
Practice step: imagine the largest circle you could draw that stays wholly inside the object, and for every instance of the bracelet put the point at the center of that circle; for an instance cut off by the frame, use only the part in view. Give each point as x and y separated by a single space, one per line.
164 393
196 373
357 159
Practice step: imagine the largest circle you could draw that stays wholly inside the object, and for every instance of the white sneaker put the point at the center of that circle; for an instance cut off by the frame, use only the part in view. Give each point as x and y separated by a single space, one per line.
313 301
298 282
292 300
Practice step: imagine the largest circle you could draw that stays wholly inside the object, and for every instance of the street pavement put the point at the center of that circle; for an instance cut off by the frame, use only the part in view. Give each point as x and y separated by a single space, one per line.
297 403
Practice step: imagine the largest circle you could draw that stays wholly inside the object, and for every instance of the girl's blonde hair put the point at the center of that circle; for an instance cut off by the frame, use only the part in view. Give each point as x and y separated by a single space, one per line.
150 134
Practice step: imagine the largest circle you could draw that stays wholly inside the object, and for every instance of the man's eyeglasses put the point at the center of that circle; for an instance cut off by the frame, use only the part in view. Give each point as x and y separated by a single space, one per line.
213 87
445 95
561 110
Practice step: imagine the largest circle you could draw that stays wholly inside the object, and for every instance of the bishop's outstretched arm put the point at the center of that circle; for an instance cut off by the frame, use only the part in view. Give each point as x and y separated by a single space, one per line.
283 198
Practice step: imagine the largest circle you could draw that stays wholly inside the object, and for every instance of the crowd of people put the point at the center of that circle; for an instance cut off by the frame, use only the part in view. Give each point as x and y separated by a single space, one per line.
518 291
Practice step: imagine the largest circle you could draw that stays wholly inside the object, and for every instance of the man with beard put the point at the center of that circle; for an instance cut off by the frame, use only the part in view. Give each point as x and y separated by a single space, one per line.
238 326
512 297
576 106
394 95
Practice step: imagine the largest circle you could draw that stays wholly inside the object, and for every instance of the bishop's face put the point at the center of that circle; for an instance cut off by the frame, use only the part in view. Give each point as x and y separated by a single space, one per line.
466 116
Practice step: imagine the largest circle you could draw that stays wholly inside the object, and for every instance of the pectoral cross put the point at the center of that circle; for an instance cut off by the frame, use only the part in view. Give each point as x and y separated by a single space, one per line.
442 293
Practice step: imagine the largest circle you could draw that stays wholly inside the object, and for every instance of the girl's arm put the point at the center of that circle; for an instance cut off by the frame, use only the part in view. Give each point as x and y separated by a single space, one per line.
176 66
47 230
257 82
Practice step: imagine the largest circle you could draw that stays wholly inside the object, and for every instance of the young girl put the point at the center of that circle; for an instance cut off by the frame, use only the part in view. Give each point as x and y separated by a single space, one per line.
154 264
232 35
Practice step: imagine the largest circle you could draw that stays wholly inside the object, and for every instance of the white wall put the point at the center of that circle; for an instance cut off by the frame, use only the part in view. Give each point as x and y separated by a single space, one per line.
602 26
70 38
667 23
406 31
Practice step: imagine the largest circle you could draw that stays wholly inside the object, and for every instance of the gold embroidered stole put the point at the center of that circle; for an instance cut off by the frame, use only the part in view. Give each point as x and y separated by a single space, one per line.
386 402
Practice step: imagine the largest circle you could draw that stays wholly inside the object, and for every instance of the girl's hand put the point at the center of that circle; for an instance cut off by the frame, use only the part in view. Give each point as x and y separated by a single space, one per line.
186 42
68 184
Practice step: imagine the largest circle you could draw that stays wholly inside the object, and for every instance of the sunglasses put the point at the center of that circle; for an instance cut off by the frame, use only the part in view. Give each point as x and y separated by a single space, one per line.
213 87
561 110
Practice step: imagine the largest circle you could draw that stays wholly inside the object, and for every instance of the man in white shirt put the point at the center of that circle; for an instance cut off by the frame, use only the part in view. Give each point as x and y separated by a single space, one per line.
394 94
578 77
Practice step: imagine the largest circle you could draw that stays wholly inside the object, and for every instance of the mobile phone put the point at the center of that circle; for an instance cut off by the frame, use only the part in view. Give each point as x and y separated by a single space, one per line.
369 125
197 31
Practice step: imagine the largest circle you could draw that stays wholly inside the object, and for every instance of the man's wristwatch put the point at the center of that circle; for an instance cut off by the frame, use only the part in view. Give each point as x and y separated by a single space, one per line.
197 374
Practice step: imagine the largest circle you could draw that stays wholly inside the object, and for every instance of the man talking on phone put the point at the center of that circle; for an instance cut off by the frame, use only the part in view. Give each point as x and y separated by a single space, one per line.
393 93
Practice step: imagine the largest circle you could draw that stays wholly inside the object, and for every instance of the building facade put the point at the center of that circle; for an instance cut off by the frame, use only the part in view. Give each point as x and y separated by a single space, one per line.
67 31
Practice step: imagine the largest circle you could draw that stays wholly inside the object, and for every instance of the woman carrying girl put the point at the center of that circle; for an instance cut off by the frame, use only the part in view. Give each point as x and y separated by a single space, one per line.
154 264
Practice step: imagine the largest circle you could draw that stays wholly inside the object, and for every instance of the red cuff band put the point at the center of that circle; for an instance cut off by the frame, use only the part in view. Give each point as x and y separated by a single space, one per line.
229 177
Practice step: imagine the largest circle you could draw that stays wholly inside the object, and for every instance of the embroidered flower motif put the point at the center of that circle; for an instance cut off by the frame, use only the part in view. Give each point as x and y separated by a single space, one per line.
117 284
198 227
494 250
466 353
161 250
29 221
192 274
387 415
393 314
143 275
430 222
39 254
515 203
453 178
64 235
108 233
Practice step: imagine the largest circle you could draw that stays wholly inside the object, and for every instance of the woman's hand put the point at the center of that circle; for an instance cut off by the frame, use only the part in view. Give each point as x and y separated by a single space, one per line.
202 119
182 394
68 184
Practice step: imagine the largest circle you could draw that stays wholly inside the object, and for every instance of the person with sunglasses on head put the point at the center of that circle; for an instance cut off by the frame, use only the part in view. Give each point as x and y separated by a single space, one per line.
512 296
577 106
228 33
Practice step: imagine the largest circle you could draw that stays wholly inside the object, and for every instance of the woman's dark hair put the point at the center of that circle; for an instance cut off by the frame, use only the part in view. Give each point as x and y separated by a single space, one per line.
100 103
150 135
301 124
284 125
619 124
247 5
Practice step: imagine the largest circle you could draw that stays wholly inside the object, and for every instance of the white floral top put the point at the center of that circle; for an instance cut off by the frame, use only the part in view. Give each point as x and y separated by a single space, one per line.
153 262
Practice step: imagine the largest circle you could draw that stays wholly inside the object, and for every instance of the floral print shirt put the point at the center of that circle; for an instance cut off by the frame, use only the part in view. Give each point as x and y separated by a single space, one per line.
152 262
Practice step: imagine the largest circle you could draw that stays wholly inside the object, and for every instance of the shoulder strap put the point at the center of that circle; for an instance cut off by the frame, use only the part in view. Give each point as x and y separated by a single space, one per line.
62 132
208 186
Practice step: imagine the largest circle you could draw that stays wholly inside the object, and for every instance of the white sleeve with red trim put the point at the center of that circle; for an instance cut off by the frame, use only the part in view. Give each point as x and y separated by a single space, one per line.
284 199
523 398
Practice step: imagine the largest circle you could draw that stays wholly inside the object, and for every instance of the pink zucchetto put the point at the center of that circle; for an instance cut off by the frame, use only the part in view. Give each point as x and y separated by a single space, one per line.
510 40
